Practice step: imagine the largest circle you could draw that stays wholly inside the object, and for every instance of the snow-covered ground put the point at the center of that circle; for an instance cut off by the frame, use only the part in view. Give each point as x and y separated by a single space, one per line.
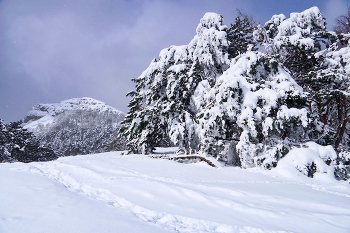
111 192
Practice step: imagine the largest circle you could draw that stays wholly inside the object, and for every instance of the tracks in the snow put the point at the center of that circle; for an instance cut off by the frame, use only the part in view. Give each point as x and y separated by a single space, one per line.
66 175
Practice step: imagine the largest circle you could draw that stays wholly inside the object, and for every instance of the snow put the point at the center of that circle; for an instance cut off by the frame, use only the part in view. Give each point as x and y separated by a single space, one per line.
325 152
287 113
297 29
177 68
297 160
111 192
44 121
341 56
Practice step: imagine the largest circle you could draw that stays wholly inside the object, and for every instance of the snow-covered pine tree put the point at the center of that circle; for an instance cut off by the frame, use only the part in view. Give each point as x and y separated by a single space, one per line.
17 144
329 87
299 41
161 106
305 46
5 155
240 36
22 146
254 113
331 91
142 126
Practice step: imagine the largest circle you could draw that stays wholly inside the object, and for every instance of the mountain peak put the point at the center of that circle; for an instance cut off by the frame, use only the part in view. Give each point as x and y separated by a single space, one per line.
53 109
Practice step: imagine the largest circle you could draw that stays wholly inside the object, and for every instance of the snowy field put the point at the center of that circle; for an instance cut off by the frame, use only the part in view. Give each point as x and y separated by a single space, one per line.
111 192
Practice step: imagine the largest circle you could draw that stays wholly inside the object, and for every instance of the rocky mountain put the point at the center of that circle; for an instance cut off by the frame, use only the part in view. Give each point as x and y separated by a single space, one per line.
76 126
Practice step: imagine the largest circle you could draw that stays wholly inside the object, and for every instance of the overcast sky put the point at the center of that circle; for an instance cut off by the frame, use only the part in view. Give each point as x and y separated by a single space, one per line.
56 50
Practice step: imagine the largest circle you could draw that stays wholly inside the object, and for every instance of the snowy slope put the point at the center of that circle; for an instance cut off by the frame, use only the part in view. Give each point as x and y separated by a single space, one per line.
111 192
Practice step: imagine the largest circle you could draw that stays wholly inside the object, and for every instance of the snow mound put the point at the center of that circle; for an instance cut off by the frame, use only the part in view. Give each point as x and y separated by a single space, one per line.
308 161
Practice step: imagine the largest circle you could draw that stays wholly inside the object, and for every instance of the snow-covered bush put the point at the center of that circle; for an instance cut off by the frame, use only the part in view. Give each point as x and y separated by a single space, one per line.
342 167
307 161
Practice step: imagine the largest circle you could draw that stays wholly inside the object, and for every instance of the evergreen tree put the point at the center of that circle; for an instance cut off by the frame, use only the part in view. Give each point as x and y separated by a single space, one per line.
300 41
17 144
330 85
254 114
5 155
161 106
240 36
253 111
142 126
310 52
305 46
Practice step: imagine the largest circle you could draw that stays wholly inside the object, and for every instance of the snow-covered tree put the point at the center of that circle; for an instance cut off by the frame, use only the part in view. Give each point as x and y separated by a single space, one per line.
5 155
161 106
240 35
18 144
244 107
299 41
330 88
303 44
254 113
